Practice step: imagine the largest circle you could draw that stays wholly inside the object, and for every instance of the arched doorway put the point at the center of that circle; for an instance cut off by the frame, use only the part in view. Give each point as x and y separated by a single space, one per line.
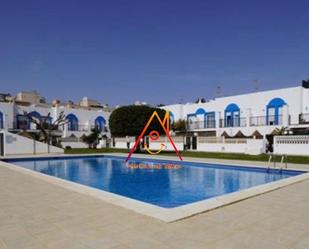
232 115
72 122
274 111
100 123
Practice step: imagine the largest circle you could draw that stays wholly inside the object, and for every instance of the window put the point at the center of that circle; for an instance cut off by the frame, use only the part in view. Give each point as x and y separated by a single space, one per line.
232 115
274 111
72 122
210 120
100 123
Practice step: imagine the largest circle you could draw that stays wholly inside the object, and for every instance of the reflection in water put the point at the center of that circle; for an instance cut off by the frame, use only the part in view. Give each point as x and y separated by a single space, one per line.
162 187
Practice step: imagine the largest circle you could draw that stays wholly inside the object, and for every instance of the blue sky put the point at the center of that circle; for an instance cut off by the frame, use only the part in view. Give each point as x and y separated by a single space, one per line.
157 51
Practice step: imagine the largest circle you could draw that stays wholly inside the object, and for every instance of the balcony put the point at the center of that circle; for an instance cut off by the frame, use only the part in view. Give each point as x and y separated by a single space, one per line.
242 122
78 127
236 122
264 120
23 123
196 125
85 128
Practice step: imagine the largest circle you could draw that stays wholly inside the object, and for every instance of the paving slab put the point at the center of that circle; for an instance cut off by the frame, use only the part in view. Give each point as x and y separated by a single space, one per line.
36 214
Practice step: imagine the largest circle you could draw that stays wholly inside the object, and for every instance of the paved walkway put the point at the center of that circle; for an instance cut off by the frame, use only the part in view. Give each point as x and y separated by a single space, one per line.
35 214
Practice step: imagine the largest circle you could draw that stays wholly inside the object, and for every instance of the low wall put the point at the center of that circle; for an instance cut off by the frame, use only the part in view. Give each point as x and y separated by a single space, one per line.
291 145
16 144
250 146
207 144
221 147
168 146
74 144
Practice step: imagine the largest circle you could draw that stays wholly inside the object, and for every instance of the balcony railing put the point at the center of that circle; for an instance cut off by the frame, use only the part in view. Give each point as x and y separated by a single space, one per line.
264 120
242 122
236 122
102 129
85 128
23 122
78 127
195 125
258 121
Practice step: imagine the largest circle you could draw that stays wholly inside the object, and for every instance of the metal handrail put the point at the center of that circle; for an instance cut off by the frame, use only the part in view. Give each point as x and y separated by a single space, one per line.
283 160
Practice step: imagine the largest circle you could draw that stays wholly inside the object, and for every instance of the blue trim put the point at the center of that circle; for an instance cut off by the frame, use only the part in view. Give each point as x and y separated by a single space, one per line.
275 103
232 109
190 115
35 114
1 120
172 118
72 122
184 163
207 115
22 122
49 120
200 111
100 123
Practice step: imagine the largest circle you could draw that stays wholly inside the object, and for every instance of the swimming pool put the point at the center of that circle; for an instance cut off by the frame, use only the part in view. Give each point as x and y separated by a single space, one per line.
163 183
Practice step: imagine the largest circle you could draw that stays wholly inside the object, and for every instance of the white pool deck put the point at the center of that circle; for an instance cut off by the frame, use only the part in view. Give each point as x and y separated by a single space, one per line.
38 212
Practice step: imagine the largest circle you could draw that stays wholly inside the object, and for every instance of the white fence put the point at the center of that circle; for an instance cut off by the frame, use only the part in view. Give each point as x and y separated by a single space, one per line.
209 144
164 143
247 146
291 145
15 145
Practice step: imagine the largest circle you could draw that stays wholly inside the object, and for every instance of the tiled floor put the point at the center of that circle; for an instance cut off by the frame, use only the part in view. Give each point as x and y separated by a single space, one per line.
35 214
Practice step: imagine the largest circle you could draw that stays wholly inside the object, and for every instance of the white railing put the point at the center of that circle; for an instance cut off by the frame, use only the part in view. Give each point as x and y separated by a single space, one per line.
291 145
292 140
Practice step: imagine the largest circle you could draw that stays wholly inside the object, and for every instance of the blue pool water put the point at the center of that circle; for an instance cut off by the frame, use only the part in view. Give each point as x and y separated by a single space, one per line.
162 187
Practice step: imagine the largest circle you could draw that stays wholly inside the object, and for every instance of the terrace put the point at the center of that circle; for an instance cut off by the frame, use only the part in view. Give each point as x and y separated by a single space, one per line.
254 121
44 215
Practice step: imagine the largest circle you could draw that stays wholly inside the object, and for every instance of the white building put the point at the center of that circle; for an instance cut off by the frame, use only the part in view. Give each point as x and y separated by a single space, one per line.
238 123
249 115
80 119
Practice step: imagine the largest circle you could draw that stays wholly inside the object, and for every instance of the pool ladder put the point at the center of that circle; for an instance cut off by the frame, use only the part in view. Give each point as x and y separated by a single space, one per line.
283 161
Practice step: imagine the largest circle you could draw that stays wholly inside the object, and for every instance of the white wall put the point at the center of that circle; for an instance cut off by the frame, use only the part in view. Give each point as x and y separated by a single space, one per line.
8 114
251 147
155 146
247 146
42 110
255 146
74 144
15 144
248 131
305 100
291 145
86 119
252 104
256 102
222 147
